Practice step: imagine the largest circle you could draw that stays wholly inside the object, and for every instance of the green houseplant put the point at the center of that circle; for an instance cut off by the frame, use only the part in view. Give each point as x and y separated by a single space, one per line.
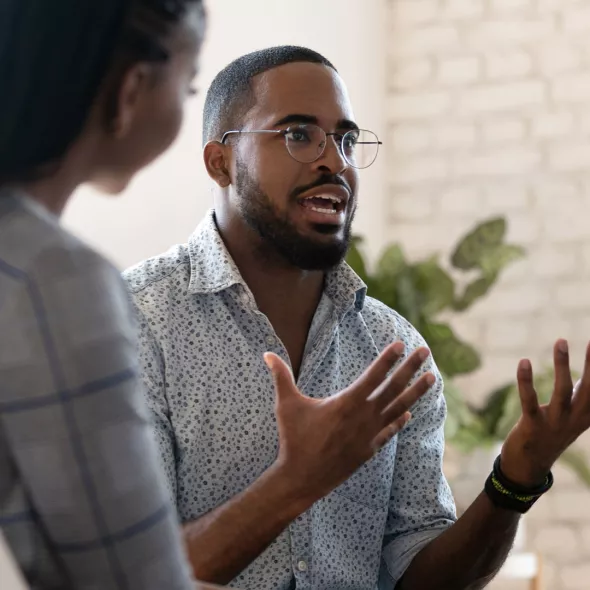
422 291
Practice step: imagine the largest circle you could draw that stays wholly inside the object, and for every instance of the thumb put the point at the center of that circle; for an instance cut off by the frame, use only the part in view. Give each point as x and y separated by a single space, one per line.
281 376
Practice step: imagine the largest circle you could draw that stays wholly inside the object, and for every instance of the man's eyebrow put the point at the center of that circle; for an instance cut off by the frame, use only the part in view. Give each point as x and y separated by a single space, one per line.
347 124
297 118
311 119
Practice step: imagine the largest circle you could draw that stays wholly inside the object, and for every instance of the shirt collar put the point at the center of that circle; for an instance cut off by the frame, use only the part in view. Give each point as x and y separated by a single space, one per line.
213 269
17 196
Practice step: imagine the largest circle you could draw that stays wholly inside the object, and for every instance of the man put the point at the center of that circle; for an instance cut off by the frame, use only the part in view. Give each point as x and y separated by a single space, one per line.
264 272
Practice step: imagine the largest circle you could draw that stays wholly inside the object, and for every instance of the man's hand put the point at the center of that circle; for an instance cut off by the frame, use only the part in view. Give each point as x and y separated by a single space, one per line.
544 432
323 442
470 553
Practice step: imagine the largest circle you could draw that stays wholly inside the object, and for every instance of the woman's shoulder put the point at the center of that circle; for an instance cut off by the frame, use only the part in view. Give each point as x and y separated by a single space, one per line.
35 247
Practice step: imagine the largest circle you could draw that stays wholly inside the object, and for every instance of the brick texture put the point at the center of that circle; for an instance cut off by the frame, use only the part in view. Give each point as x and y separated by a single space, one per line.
489 113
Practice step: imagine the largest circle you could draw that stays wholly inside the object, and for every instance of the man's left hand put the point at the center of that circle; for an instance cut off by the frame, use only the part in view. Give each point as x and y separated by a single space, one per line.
544 432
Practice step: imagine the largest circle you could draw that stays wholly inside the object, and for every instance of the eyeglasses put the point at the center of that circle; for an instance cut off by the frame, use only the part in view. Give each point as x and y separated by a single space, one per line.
306 143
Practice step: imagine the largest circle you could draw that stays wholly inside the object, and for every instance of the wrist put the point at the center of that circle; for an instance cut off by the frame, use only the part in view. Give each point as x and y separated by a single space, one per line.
291 495
522 474
507 494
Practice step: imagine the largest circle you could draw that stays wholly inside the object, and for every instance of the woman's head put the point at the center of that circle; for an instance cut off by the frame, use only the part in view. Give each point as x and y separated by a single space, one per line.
107 80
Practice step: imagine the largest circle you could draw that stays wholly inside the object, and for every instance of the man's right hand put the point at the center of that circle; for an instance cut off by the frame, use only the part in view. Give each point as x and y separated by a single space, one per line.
323 442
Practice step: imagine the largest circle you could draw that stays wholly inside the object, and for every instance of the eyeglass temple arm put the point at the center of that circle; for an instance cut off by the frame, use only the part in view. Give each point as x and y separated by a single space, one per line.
342 135
224 137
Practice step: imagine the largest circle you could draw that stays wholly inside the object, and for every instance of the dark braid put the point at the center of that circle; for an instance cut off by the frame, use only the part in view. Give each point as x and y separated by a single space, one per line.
54 56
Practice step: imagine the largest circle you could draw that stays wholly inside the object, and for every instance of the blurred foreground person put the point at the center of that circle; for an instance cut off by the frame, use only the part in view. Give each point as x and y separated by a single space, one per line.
90 92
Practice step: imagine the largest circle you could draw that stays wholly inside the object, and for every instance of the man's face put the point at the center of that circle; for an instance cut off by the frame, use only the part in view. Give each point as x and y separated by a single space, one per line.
302 211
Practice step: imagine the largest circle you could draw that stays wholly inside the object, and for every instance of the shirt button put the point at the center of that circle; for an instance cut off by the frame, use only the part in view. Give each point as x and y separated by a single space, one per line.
270 340
302 566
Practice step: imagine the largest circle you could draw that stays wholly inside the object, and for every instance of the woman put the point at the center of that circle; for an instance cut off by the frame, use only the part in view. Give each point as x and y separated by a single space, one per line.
90 92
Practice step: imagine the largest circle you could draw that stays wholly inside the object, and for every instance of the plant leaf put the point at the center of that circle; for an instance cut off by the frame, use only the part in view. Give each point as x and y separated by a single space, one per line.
493 411
436 287
497 259
463 427
356 260
485 237
511 415
408 298
577 461
391 263
473 292
453 356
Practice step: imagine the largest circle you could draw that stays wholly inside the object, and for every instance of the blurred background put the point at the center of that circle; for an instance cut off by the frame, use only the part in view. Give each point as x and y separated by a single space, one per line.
484 108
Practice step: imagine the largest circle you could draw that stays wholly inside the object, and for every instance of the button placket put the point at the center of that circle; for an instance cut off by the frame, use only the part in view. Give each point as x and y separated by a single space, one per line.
301 549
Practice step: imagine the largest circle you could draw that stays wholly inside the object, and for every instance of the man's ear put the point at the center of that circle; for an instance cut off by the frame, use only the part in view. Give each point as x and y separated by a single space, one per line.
216 162
127 98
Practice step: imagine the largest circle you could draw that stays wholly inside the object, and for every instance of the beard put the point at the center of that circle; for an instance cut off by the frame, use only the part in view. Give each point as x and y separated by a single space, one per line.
280 235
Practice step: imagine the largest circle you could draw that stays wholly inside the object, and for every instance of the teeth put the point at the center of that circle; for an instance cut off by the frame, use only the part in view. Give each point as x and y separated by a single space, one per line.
327 197
325 211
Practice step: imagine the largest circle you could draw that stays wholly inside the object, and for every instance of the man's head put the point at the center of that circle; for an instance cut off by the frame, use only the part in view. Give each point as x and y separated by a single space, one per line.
269 179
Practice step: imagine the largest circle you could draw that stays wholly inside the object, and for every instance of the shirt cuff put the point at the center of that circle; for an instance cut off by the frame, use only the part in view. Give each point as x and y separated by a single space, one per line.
398 555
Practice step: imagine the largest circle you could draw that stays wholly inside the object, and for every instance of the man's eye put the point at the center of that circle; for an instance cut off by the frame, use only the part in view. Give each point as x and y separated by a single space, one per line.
298 136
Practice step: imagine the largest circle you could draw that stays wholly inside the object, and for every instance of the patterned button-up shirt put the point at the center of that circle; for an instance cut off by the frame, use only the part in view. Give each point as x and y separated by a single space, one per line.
202 341
82 500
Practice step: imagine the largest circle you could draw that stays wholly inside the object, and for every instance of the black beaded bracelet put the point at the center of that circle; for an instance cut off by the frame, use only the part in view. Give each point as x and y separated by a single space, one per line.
505 494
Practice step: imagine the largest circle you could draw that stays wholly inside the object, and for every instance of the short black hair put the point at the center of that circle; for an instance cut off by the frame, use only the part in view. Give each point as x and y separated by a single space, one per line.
230 95
54 56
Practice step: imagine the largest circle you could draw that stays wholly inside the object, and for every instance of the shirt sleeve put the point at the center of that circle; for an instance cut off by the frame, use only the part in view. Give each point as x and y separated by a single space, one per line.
78 428
421 505
153 379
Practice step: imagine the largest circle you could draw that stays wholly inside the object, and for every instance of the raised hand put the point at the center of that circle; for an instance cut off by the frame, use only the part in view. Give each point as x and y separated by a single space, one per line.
323 442
544 432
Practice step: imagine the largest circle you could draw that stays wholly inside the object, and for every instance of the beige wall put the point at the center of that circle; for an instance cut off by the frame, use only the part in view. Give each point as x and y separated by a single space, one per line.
489 112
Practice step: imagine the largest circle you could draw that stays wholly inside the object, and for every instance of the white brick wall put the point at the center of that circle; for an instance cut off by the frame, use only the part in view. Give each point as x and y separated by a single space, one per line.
489 112
522 94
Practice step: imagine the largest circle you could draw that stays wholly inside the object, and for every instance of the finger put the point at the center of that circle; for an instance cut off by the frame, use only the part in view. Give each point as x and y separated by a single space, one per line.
399 380
582 389
562 394
390 431
377 372
281 375
528 396
408 398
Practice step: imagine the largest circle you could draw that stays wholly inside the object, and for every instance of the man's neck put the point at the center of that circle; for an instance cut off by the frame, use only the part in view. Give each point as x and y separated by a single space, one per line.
287 295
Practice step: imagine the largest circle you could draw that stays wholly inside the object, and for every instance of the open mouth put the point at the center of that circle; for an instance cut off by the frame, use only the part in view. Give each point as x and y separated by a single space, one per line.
324 204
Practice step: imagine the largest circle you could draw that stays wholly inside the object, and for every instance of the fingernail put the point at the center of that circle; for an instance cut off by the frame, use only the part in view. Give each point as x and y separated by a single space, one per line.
525 364
430 379
562 346
424 354
399 348
269 360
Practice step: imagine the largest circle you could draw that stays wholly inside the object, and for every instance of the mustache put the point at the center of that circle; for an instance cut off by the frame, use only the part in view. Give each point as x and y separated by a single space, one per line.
326 179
